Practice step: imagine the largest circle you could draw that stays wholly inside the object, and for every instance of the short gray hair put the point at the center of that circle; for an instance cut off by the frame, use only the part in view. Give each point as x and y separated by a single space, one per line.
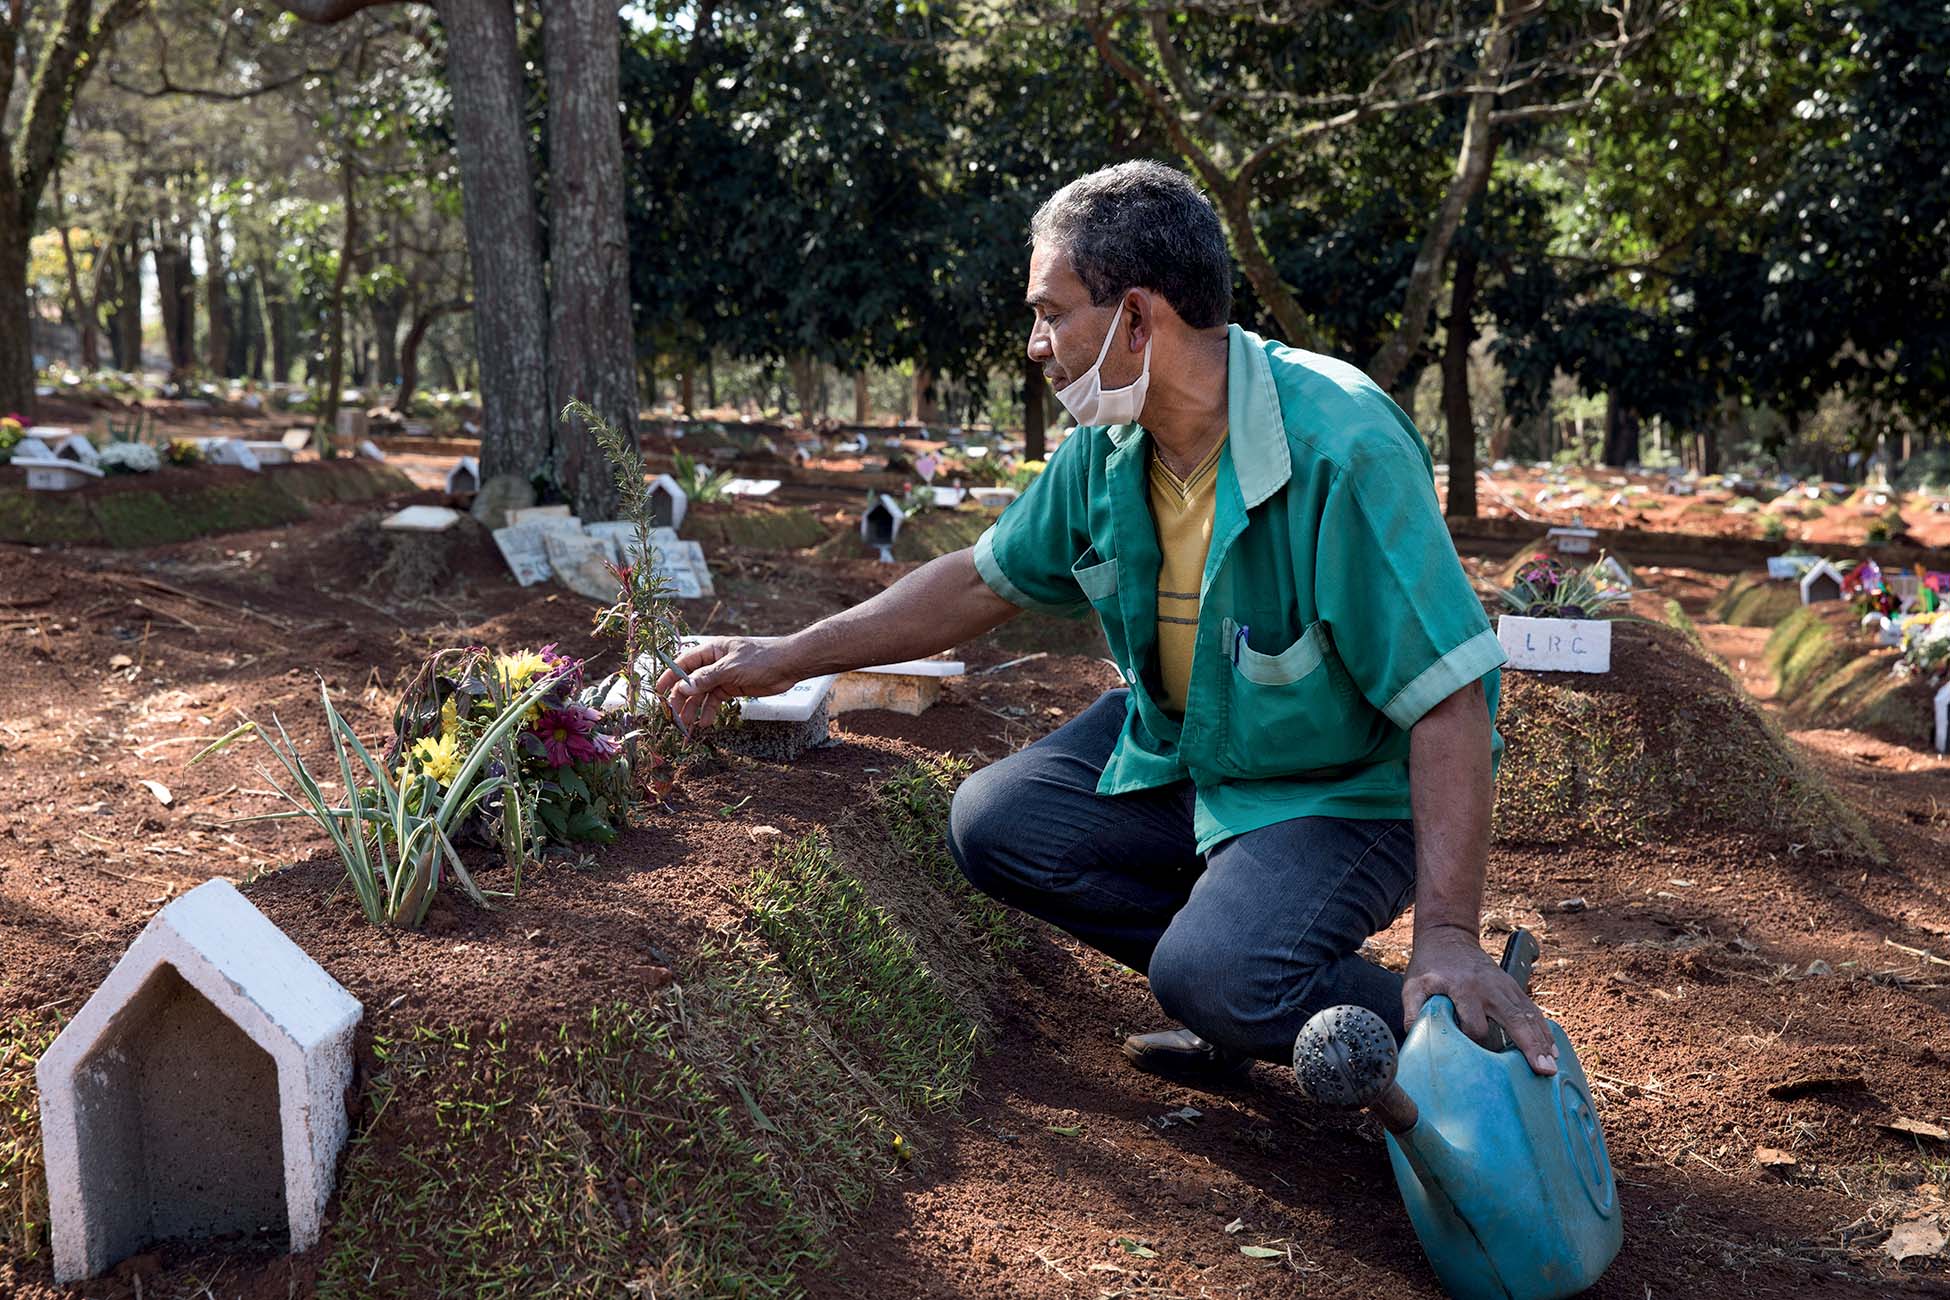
1142 225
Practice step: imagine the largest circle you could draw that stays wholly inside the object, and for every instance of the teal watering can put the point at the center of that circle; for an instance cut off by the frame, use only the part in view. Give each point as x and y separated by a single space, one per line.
1503 1172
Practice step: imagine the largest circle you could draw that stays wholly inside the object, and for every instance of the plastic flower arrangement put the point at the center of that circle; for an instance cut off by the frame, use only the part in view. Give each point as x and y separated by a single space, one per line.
129 458
11 432
1549 588
181 451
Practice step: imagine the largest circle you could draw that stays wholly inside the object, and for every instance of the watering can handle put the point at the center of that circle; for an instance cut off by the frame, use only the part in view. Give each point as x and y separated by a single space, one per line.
1520 954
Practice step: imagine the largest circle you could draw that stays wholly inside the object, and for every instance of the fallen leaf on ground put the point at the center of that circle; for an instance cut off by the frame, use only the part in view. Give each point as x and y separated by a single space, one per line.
1774 1158
1137 1248
120 661
161 791
1916 1128
1261 1252
1919 1238
1235 1226
1066 1131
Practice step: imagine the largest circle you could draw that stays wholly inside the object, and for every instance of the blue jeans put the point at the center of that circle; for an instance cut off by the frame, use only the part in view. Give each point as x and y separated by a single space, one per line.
1241 944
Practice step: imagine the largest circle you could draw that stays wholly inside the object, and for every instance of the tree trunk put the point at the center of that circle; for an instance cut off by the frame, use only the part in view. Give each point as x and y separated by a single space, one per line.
861 406
1455 388
16 331
278 308
81 306
710 382
216 297
1621 433
409 353
385 334
591 342
804 385
1236 207
1472 173
925 411
328 405
511 316
125 312
686 390
1035 424
176 290
251 319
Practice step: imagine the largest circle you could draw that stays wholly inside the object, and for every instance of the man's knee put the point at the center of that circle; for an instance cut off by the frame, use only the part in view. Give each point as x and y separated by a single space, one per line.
978 831
1204 983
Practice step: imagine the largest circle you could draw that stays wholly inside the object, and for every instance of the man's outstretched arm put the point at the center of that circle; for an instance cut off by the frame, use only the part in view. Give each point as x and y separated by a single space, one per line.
939 605
1450 792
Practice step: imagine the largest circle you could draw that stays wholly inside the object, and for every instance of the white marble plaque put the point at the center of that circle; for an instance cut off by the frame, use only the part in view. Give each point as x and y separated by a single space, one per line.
751 487
1556 645
421 519
527 558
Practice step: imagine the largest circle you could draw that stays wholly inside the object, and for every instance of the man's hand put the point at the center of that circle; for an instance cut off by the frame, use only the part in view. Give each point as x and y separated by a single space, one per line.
721 669
1453 962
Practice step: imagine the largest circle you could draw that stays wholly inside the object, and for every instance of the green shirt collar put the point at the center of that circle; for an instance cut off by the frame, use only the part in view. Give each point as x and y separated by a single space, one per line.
1256 428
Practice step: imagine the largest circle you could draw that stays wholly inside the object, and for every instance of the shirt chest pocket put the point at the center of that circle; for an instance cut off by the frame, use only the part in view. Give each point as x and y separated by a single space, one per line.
1098 579
1287 712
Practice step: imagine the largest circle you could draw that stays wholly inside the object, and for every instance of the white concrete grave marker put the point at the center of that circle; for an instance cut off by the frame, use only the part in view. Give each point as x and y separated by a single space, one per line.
421 519
32 448
464 479
880 522
68 446
949 497
1784 567
229 451
353 423
296 440
668 502
276 453
993 498
545 517
370 451
1822 582
199 1092
581 563
52 475
1571 541
1556 645
527 557
1943 718
751 487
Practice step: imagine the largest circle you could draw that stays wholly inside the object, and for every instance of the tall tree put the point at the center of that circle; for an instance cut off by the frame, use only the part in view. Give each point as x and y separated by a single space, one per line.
71 44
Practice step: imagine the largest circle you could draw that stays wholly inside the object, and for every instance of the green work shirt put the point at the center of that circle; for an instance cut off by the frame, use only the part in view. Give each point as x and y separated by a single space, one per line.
1333 612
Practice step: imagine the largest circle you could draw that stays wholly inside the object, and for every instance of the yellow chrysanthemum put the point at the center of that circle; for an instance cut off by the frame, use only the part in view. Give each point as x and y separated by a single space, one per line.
439 759
517 671
450 717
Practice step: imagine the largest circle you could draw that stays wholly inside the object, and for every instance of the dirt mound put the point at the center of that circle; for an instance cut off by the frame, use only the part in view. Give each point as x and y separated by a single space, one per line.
1831 677
1754 601
1665 746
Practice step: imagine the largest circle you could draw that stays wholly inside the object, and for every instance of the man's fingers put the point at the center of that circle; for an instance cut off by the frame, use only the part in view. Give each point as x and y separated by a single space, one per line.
1527 1028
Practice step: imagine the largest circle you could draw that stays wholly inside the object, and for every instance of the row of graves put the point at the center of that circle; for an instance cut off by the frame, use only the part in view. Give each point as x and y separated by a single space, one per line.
1905 611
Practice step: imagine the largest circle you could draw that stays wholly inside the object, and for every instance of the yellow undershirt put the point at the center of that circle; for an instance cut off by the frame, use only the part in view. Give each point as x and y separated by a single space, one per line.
1182 509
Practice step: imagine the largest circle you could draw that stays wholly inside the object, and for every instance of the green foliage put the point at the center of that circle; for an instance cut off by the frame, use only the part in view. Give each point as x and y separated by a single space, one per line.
699 481
23 1185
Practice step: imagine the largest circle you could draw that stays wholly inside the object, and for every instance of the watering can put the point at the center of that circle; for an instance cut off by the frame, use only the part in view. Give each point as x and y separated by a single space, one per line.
1503 1172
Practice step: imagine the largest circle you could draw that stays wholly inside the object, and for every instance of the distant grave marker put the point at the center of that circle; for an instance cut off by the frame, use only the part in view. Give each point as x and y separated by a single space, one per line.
993 498
230 451
668 502
274 452
949 497
464 479
1822 582
1943 718
751 487
1571 541
880 522
527 557
52 475
296 440
370 450
353 423
421 519
1790 567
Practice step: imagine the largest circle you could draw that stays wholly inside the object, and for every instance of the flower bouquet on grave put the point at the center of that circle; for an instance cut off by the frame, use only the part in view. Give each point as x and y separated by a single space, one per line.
181 451
1549 588
11 432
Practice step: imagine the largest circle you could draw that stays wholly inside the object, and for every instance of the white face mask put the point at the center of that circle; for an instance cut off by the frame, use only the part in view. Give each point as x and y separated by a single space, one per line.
1086 399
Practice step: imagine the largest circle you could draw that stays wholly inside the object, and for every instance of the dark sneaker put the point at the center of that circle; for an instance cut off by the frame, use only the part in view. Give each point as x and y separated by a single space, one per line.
1182 1054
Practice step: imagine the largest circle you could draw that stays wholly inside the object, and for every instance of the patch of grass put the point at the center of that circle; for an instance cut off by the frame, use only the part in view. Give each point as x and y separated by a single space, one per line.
39 517
864 972
23 1188
762 527
1830 679
1756 602
149 518
1804 649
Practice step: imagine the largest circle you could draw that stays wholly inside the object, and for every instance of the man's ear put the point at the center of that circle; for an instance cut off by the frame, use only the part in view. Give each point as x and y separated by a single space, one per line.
1141 309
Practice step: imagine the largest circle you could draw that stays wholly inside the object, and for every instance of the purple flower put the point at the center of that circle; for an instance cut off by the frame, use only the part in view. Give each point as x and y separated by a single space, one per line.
568 735
566 670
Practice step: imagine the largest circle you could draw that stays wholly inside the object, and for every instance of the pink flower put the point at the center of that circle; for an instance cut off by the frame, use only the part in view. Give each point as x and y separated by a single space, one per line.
568 735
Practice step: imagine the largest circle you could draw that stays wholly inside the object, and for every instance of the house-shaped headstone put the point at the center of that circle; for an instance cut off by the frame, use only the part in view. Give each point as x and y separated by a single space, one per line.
199 1093
880 522
370 450
1571 541
668 502
69 446
50 474
1785 567
353 423
948 497
464 479
271 451
32 448
1823 581
1943 718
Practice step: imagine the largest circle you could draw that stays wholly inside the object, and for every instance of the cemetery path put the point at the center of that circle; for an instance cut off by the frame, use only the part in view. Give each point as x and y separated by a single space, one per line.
1728 994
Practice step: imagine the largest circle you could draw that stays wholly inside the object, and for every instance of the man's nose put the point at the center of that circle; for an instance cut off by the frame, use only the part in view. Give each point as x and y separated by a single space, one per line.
1041 348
